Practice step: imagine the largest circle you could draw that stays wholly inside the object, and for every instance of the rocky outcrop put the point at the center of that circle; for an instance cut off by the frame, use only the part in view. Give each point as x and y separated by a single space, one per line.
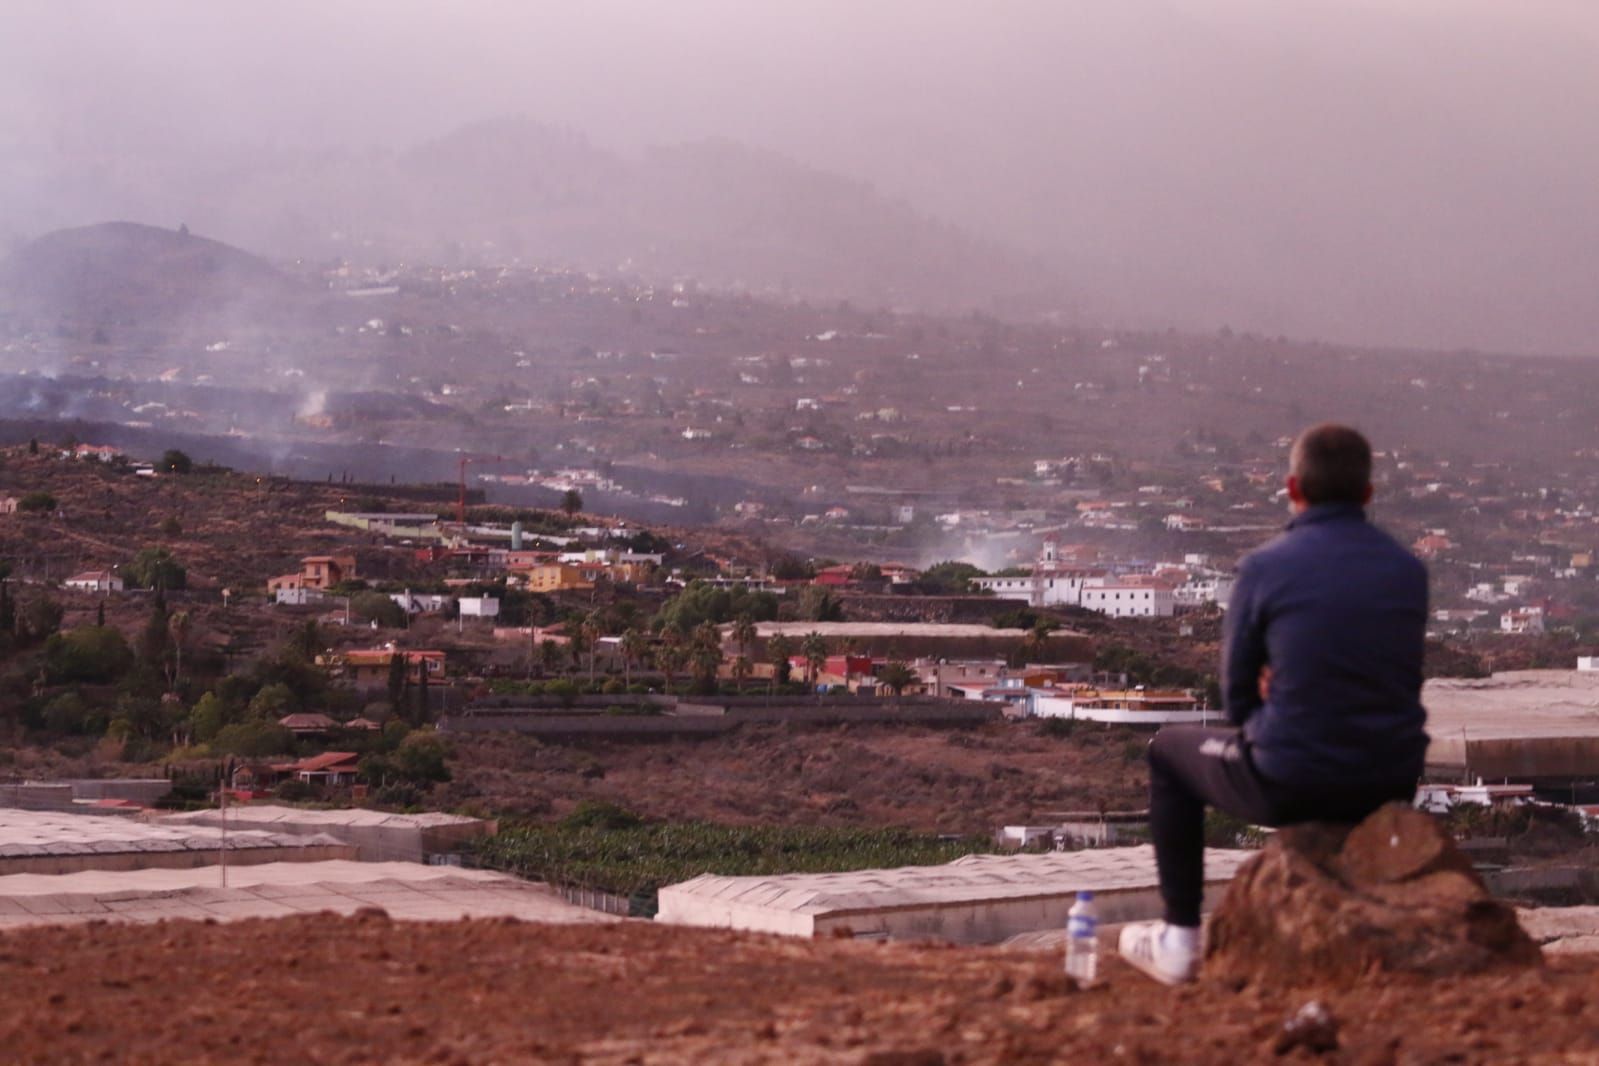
1393 893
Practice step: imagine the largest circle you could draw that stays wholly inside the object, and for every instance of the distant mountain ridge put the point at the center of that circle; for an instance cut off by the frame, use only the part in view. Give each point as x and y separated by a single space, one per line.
130 273
720 212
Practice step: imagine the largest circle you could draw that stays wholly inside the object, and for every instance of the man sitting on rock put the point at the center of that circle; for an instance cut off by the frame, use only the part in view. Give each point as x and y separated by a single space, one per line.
1322 675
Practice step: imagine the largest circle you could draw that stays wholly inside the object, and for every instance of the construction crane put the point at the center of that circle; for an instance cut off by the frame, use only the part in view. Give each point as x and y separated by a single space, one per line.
465 461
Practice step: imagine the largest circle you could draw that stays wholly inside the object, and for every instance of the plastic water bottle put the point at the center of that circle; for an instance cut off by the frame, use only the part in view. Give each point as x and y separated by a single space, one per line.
1082 939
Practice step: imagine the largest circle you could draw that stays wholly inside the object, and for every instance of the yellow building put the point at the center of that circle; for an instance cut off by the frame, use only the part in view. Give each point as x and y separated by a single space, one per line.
562 577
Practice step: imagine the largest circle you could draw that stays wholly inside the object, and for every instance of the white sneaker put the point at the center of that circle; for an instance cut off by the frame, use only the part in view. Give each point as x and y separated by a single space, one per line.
1168 953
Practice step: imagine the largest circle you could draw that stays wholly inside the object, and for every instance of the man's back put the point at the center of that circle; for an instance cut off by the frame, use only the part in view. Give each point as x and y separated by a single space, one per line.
1338 611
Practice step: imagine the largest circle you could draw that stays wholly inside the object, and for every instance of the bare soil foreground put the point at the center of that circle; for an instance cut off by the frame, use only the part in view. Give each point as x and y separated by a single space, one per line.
365 989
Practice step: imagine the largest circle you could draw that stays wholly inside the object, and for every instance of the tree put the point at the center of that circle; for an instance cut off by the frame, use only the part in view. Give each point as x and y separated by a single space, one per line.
36 502
33 445
633 647
818 604
207 718
424 710
950 578
549 655
742 669
1037 643
91 654
178 627
272 703
814 648
779 650
420 759
705 656
572 502
39 618
155 568
670 659
378 607
744 633
897 676
790 568
253 740
157 635
399 678
592 631
700 602
306 641
174 462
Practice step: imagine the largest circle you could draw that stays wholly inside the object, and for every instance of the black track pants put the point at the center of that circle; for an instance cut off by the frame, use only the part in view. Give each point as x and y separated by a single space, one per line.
1191 768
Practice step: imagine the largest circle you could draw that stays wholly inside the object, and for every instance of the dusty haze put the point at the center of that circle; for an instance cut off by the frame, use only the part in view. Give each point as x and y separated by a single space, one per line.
1415 173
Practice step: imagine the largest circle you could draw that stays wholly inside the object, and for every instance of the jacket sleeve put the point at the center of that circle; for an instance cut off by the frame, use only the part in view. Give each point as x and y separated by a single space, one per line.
1243 647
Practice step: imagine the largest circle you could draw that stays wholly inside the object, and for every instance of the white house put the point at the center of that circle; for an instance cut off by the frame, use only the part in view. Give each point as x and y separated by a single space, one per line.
1139 707
1588 662
480 607
94 581
1198 591
1522 620
421 602
1124 600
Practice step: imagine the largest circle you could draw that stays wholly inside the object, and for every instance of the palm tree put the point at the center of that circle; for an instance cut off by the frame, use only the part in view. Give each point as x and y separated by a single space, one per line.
897 676
814 648
705 653
549 656
1038 639
572 502
742 668
779 650
178 625
669 657
744 633
633 647
592 631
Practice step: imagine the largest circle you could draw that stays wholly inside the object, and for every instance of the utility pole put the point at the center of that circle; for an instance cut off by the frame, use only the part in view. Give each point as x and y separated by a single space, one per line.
222 855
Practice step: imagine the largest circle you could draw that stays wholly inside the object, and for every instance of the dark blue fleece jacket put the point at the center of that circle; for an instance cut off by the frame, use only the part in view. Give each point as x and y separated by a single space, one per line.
1338 610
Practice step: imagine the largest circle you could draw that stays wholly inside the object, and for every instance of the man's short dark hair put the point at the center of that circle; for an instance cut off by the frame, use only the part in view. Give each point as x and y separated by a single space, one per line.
1332 464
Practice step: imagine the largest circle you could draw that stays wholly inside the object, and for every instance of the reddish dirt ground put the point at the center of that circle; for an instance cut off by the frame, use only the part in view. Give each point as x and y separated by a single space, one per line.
960 781
363 989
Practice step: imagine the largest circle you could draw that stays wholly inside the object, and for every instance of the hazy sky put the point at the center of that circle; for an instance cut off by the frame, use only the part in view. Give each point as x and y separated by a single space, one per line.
1413 171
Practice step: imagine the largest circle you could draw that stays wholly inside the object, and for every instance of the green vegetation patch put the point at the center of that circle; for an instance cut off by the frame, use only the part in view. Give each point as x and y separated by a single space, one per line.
607 849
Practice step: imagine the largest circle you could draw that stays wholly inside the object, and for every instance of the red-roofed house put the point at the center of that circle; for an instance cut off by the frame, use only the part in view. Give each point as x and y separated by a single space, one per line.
316 572
329 768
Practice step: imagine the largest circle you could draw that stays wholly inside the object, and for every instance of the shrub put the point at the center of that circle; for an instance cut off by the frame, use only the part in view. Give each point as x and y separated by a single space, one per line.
377 607
36 502
1057 727
174 462
600 814
295 791
69 714
93 654
272 702
155 568
563 690
253 740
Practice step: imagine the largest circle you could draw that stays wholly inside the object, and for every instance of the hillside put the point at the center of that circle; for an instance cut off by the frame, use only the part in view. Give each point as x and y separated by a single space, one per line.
718 211
128 273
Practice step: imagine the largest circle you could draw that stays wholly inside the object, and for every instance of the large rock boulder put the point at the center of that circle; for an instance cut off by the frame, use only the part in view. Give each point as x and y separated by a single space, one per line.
1333 901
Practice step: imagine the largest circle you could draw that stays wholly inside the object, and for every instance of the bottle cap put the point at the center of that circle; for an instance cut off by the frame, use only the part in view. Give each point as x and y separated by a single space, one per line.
1086 897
